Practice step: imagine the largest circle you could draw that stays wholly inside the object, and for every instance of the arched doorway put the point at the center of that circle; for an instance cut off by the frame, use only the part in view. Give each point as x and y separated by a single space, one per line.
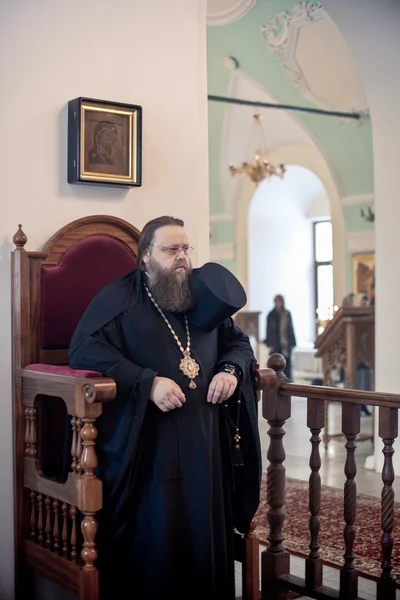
313 160
280 227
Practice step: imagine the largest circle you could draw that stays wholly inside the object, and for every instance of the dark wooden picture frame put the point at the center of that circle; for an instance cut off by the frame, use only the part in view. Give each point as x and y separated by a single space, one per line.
104 142
363 272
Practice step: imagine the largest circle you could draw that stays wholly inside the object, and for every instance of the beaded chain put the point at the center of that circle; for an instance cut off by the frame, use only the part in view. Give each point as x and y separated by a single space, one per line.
188 365
187 351
237 454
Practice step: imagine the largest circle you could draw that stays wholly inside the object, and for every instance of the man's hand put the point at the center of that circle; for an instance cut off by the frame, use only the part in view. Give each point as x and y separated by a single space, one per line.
166 394
221 388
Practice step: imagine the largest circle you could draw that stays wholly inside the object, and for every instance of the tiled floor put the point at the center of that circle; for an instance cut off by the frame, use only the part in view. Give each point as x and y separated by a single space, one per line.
297 447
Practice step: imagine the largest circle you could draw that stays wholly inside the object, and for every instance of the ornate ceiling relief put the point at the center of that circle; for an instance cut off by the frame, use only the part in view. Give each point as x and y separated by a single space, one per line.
311 48
223 12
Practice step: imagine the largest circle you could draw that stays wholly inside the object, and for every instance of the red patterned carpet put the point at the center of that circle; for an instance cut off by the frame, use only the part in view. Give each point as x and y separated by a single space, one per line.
368 536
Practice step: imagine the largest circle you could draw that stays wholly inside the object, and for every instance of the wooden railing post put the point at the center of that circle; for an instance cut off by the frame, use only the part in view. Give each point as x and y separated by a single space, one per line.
348 573
275 559
90 494
251 565
388 431
21 356
315 422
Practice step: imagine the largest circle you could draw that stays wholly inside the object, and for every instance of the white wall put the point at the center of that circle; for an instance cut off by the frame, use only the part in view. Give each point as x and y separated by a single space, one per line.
280 252
320 209
151 53
371 30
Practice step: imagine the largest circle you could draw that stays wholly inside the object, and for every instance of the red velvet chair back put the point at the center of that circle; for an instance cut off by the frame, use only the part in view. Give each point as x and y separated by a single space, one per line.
63 278
68 288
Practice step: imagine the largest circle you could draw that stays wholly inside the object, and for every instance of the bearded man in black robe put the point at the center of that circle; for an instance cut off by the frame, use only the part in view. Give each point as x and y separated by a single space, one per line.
178 449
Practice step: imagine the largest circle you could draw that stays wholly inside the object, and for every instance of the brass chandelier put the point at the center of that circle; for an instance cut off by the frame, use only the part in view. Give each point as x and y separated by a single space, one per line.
260 168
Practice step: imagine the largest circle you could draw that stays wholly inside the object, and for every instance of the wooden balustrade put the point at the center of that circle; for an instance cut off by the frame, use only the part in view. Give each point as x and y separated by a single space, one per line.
67 529
276 392
53 525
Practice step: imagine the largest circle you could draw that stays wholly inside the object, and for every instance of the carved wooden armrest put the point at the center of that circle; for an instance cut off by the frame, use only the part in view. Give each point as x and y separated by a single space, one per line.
73 389
83 397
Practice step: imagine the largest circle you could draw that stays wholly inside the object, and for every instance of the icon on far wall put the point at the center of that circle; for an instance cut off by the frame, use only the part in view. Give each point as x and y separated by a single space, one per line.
104 142
364 273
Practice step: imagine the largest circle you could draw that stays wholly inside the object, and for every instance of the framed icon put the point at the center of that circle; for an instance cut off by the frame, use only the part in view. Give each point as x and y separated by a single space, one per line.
104 142
363 273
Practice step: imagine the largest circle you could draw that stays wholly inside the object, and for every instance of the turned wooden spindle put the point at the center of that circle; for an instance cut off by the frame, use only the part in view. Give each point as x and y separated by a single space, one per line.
27 431
315 422
74 445
88 460
56 527
89 551
88 464
388 431
32 436
40 519
79 425
30 432
348 573
20 238
47 503
276 409
74 533
64 533
32 521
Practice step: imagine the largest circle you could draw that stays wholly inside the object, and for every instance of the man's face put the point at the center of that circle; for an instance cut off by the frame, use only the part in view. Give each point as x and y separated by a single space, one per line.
169 269
162 253
279 303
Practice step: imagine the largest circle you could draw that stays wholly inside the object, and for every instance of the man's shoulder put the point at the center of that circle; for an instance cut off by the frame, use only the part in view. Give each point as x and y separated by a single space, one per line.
117 287
113 298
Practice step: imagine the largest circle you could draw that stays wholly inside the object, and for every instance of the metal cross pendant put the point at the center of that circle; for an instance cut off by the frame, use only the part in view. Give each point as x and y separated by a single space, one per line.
190 369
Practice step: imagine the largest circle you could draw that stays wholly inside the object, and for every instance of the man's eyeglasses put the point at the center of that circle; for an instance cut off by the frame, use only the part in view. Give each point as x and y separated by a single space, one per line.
175 250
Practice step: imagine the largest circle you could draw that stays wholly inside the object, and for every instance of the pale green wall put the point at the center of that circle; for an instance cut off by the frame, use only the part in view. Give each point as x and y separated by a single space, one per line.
354 220
229 264
222 233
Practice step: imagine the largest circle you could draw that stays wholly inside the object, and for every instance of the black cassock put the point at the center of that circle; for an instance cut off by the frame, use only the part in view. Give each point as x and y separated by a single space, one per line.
171 496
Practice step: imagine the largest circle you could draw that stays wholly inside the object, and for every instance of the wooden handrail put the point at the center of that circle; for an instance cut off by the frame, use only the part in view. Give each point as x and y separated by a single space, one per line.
269 378
343 395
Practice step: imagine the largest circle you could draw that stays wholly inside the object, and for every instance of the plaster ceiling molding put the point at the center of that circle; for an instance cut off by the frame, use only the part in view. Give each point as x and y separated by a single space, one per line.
281 129
223 12
358 200
314 53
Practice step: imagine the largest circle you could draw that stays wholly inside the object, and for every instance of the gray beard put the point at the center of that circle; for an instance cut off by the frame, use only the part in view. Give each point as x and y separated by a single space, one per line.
170 289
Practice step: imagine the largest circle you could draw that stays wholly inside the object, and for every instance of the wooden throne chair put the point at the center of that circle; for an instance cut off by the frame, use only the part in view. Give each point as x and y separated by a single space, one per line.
56 491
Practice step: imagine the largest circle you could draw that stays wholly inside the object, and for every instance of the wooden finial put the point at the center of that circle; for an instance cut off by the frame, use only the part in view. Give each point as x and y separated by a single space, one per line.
276 362
20 238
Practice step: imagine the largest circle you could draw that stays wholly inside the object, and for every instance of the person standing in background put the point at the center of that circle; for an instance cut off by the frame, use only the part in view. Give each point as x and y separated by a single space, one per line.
280 335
